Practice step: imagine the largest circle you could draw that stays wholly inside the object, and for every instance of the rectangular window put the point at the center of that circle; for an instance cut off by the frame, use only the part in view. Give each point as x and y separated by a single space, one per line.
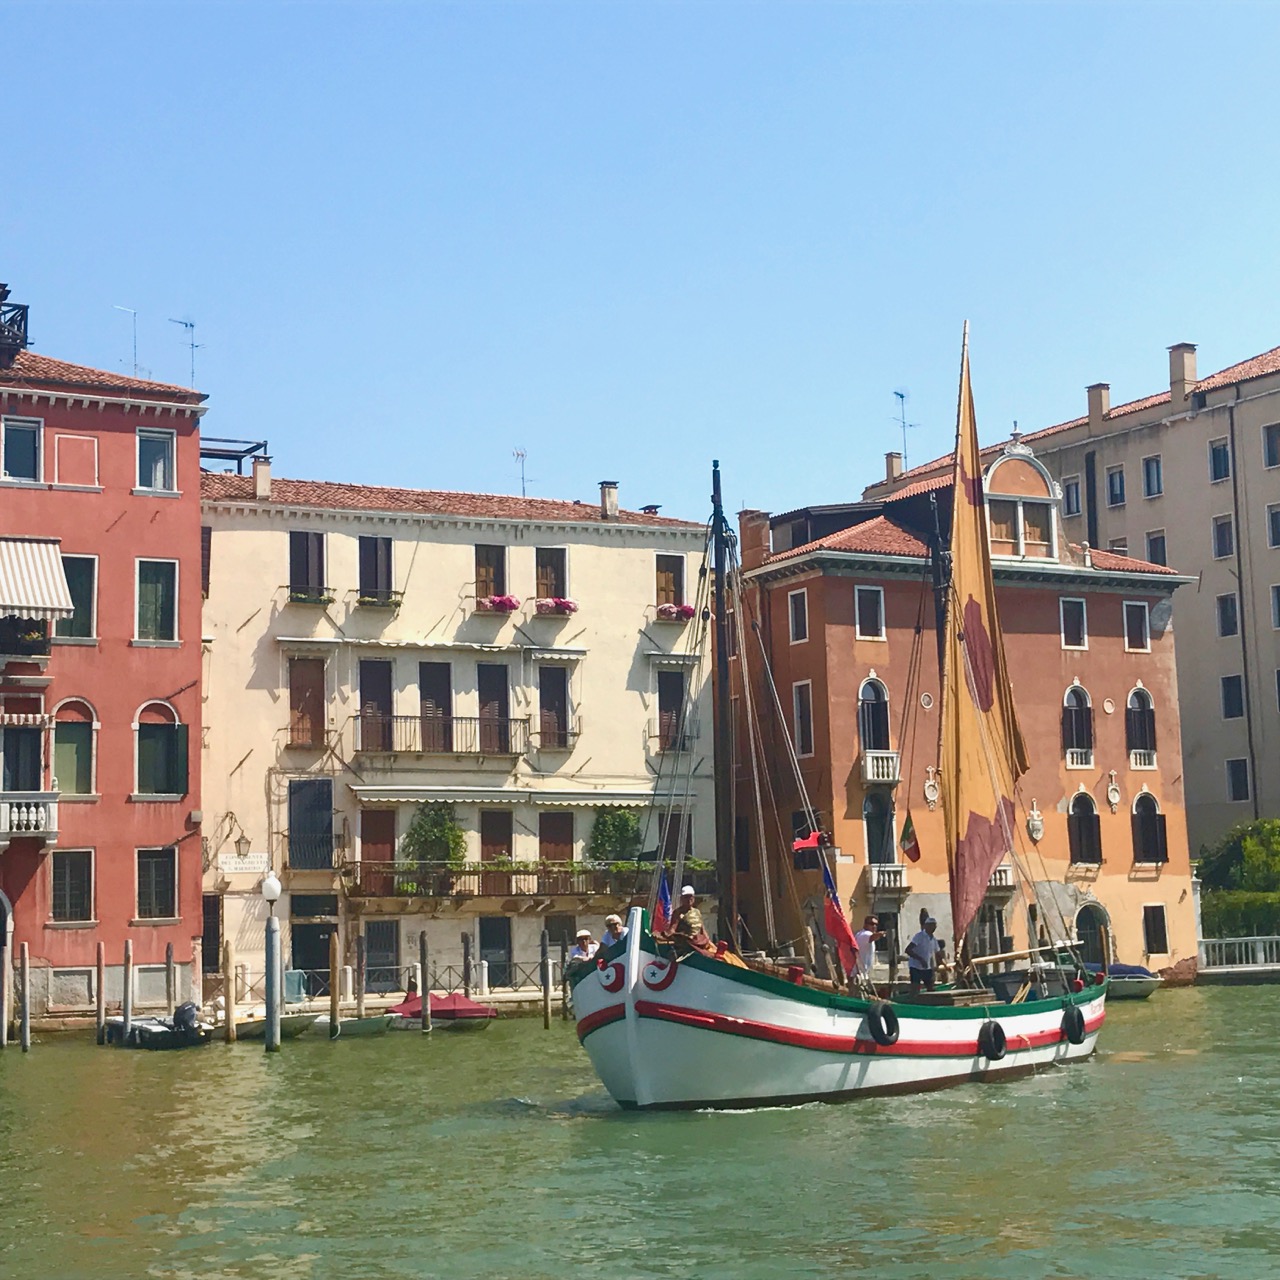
1271 445
1137 626
311 824
1219 460
1273 526
1115 486
1232 697
73 756
491 571
1237 780
551 573
1228 615
1156 551
20 449
553 707
493 689
206 558
672 731
156 469
22 766
306 568
157 600
1037 529
162 760
670 580
1278 690
72 897
158 884
82 576
306 702
375 571
1224 537
798 603
1275 607
1119 545
1152 477
1004 526
869 613
1071 496
435 705
1075 627
803 859
802 706
1155 935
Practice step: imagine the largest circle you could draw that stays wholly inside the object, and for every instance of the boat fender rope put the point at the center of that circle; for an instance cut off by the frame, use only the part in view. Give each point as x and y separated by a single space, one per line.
1073 1024
992 1042
882 1021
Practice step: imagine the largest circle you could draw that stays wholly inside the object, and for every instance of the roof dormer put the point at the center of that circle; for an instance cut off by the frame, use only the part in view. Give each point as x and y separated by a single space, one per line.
1022 501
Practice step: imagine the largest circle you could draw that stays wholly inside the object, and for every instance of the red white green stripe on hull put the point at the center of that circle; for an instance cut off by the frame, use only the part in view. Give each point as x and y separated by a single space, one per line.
702 1033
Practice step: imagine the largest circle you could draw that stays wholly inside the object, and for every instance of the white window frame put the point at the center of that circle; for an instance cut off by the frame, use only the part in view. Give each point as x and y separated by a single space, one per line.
1223 440
1084 619
1164 537
1214 522
1248 780
93 890
1270 426
1273 507
1217 615
1159 461
177 885
177 599
1146 624
1124 488
1119 546
95 725
156 433
858 632
791 617
1222 694
18 420
92 637
1020 524
795 718
1070 483
1080 762
1135 757
137 724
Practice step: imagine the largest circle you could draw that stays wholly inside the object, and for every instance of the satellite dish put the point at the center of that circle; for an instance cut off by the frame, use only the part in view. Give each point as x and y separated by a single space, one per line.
1161 615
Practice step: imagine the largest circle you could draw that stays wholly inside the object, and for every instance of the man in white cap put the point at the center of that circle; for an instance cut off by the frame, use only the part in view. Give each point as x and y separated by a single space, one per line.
614 931
922 956
583 947
687 931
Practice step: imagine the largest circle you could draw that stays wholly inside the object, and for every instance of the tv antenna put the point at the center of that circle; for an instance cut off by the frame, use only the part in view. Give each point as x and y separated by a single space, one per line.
520 455
190 327
134 314
903 424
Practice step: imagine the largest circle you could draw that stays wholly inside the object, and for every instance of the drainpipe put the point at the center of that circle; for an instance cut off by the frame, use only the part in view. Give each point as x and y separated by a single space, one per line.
1243 597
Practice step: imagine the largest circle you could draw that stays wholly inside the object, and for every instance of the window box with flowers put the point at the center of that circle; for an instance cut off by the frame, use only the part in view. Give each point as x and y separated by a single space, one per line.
546 605
497 604
675 612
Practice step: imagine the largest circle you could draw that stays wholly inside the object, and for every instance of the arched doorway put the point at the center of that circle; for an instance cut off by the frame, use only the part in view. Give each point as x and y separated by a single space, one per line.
1091 920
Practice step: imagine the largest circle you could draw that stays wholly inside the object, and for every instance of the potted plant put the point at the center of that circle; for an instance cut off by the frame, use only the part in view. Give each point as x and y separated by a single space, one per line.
675 612
434 838
555 604
497 604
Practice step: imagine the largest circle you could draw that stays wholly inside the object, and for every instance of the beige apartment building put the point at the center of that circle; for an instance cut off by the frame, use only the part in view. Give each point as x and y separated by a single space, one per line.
374 653
1190 477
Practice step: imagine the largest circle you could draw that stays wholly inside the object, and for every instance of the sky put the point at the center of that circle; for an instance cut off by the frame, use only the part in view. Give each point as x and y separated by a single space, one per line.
628 238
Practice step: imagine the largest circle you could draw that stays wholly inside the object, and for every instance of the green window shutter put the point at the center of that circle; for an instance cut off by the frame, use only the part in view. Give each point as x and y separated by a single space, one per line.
179 772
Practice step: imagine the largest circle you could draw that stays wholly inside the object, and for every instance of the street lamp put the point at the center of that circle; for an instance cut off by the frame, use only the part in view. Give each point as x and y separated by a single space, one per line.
242 845
271 895
270 889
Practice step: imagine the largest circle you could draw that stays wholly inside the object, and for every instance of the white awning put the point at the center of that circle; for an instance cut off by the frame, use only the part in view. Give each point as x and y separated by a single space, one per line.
369 795
32 583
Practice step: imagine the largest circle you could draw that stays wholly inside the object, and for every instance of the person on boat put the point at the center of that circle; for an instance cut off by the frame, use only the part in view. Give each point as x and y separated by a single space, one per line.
584 946
866 938
614 932
687 932
922 957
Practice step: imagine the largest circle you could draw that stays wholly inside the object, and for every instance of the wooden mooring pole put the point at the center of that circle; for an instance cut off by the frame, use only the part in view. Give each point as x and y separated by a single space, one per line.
564 979
4 990
362 960
424 988
25 961
126 1005
466 965
170 980
100 995
546 981
229 991
335 991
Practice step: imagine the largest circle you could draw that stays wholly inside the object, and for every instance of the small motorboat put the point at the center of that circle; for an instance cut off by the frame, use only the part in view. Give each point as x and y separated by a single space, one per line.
1129 981
292 1025
183 1031
374 1025
454 1012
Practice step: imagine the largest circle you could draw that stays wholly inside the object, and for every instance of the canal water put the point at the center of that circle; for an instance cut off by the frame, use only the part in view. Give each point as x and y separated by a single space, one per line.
499 1155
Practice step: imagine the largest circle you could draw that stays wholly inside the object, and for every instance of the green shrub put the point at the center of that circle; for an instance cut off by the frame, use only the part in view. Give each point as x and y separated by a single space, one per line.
1247 857
1240 913
615 836
434 836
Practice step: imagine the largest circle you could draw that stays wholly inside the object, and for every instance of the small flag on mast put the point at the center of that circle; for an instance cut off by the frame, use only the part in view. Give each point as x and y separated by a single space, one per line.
907 842
837 926
662 909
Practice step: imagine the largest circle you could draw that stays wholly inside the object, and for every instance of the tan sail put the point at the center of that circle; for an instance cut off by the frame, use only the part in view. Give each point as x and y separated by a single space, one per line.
982 753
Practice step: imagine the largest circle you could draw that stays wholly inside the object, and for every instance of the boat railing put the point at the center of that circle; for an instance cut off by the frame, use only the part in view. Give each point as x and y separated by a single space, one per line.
1240 953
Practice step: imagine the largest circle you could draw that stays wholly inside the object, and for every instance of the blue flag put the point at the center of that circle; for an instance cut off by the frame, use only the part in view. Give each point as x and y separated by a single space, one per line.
662 911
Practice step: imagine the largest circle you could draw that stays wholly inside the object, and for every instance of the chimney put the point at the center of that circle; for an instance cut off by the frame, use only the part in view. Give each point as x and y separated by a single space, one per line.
608 499
892 466
1099 406
753 538
1182 373
262 478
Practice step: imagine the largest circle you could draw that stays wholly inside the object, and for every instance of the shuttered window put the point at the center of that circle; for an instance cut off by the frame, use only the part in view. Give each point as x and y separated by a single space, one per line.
552 579
375 571
306 702
306 567
1150 842
1084 831
491 571
311 823
669 585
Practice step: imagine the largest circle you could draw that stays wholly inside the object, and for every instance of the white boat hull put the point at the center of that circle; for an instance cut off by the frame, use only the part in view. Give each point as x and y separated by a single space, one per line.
701 1033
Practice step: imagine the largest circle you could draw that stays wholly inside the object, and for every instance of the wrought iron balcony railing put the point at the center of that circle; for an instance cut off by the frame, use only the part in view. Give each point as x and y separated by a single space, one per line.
442 735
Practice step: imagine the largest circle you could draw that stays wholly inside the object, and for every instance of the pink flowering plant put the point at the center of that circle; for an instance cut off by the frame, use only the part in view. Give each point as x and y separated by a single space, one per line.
555 604
676 612
497 604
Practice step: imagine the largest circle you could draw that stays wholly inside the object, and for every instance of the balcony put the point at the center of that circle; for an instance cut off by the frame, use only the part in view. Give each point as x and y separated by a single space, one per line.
379 598
441 735
311 852
1079 757
28 815
309 593
881 767
887 878
556 735
1001 881
1142 759
668 734
23 638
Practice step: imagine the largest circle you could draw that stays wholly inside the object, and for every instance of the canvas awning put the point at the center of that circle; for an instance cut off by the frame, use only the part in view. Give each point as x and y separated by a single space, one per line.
32 583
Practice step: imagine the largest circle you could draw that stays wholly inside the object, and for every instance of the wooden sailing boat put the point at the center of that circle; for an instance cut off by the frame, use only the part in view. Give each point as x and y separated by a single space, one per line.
694 1031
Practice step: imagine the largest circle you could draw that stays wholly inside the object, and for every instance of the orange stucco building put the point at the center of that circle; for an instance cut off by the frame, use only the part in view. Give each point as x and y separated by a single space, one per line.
844 599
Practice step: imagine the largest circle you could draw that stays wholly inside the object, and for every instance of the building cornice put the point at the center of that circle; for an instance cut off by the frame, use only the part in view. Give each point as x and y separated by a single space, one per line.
96 400
402 794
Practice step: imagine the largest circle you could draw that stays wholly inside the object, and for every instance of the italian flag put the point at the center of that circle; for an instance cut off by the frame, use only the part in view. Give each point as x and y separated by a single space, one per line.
907 841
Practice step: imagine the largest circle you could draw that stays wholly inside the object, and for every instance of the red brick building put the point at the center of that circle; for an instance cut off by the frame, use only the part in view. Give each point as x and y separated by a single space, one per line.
844 599
100 666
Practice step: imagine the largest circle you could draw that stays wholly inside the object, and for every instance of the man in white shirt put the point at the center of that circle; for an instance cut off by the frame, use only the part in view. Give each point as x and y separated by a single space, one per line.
866 938
583 947
922 957
614 931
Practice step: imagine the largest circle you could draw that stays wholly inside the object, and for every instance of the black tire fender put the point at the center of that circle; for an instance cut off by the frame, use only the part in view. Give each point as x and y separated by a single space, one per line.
1073 1024
882 1020
993 1044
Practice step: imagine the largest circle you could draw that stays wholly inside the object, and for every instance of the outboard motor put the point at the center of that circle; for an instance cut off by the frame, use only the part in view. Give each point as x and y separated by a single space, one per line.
186 1021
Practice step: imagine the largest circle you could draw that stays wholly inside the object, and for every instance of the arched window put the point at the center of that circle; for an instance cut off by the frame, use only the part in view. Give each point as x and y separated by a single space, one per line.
1084 830
74 728
161 751
1140 730
1150 844
1077 728
877 826
873 716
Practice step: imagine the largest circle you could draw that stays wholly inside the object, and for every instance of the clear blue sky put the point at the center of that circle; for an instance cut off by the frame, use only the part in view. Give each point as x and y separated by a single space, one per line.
631 237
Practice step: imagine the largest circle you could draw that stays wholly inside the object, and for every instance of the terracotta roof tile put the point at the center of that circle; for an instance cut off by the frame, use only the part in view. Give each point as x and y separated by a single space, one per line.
1257 367
331 495
879 536
1114 560
32 371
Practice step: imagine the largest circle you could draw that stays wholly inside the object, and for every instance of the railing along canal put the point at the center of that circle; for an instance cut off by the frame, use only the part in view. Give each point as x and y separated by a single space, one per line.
1241 953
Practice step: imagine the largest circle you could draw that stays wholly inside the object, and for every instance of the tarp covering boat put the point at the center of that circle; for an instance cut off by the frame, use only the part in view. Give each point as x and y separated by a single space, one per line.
455 1007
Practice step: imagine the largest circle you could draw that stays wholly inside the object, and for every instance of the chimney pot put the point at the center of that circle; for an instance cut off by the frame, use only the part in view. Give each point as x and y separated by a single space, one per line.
1182 372
609 499
892 465
1099 406
262 478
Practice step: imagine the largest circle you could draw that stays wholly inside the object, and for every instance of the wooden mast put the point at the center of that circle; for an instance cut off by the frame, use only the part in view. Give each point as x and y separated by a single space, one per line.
726 863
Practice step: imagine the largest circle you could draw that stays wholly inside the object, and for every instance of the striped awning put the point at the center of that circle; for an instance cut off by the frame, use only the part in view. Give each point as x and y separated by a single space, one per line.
32 584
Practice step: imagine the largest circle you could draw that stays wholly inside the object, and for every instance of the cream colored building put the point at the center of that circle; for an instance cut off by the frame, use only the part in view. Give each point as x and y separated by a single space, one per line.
1190 477
372 650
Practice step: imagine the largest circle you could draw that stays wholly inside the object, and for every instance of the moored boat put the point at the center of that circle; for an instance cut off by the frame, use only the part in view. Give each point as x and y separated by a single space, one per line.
182 1031
292 1025
1130 981
453 1012
375 1025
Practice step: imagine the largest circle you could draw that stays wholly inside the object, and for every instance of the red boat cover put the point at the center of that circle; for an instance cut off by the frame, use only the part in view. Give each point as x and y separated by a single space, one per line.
454 1006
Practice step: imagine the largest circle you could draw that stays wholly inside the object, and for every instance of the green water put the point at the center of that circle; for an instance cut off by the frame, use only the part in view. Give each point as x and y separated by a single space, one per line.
499 1155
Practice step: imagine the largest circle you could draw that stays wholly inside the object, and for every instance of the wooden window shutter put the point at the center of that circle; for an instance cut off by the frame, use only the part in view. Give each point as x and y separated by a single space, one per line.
206 557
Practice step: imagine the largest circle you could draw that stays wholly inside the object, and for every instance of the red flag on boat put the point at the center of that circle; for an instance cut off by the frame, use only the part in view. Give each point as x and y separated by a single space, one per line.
907 841
837 926
662 908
